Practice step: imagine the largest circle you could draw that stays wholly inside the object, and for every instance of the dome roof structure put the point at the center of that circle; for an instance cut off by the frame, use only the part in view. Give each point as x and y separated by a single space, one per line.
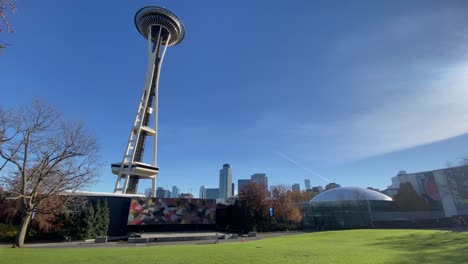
349 194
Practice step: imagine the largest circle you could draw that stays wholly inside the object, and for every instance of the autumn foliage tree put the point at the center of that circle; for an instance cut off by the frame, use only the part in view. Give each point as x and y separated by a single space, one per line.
254 198
408 200
286 206
44 159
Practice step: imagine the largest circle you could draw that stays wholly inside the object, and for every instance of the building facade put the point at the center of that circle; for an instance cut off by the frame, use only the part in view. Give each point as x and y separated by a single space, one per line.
307 184
148 192
212 193
160 192
202 194
241 183
260 178
175 192
446 189
225 182
296 187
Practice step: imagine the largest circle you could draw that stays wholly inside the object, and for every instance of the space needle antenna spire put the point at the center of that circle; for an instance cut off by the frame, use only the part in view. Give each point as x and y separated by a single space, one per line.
162 29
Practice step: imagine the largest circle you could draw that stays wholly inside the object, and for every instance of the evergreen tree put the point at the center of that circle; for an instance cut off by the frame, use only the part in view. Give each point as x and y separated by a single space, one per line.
105 218
97 219
89 222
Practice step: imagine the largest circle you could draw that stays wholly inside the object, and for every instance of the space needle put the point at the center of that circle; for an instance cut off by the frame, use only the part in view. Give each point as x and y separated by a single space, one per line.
162 29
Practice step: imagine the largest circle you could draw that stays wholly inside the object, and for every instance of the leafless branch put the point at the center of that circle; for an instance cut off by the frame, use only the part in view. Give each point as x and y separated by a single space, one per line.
5 7
48 157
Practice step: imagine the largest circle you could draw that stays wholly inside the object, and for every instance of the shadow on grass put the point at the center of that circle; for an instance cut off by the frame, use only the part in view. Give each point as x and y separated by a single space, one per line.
440 247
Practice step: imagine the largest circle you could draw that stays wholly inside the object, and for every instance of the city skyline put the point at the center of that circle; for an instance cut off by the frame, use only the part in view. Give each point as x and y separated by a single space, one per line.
364 89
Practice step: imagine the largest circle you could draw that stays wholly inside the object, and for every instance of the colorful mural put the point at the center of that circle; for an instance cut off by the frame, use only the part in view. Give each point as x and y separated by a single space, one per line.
163 211
457 179
428 189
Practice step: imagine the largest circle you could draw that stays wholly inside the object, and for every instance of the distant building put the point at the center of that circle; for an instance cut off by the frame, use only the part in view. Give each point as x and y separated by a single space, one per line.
232 190
225 182
307 183
167 194
332 185
260 178
296 187
202 194
148 192
241 183
317 189
444 189
391 192
271 189
186 195
175 192
212 193
160 192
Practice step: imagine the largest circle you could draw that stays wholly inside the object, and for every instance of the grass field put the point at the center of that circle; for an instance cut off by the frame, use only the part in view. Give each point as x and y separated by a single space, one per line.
354 246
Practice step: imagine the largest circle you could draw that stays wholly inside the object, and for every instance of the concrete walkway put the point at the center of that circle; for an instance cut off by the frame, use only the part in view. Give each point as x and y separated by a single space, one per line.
91 244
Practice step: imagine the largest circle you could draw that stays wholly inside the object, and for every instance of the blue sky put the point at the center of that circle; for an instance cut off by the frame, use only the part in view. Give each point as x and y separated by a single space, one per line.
352 90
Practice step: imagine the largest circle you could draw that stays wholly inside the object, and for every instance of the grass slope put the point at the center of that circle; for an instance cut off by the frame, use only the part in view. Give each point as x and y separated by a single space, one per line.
353 246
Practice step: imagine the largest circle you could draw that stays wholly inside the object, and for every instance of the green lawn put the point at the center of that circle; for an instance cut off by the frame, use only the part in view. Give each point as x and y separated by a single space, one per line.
354 246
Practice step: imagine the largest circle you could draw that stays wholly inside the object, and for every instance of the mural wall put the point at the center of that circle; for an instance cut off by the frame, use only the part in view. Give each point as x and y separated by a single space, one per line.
457 179
429 191
164 211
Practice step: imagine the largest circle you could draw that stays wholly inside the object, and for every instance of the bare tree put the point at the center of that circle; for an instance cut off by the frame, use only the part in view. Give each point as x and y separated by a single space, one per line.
5 7
44 158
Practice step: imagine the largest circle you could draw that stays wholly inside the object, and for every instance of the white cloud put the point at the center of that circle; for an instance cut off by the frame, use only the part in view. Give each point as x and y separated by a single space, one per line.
417 98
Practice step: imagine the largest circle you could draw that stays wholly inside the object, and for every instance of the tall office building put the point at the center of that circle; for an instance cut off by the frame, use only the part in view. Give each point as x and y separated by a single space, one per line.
148 192
212 193
202 194
241 183
307 183
260 178
160 192
175 192
232 189
296 187
225 182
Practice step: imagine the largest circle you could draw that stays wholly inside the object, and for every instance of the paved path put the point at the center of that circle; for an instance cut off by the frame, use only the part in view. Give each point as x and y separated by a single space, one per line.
83 244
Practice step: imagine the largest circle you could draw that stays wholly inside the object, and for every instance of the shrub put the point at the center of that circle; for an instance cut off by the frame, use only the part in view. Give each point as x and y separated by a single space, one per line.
8 232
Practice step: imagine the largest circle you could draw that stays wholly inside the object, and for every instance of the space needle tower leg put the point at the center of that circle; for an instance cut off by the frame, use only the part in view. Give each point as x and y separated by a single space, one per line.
162 29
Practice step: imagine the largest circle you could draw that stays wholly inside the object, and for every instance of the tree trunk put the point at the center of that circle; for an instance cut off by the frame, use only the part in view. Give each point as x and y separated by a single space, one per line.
19 240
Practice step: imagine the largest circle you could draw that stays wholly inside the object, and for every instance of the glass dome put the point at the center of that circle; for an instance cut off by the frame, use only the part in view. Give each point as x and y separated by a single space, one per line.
347 194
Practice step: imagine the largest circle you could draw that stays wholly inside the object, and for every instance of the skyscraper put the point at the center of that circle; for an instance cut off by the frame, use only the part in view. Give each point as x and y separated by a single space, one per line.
202 194
225 182
232 189
160 192
241 183
307 183
148 192
296 187
260 178
212 193
175 192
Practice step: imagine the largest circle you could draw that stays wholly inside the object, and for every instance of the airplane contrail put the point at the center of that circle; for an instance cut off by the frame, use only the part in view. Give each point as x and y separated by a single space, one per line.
302 167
